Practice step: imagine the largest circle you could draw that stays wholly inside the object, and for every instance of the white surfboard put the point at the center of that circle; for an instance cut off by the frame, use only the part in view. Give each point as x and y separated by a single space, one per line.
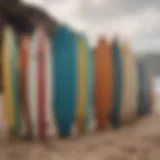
51 129
129 97
32 80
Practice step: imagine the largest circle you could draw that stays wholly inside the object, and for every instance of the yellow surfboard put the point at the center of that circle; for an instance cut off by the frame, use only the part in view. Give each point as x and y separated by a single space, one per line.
8 109
81 89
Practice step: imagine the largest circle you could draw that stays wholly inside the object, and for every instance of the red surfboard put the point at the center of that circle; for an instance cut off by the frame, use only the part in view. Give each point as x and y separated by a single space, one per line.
41 84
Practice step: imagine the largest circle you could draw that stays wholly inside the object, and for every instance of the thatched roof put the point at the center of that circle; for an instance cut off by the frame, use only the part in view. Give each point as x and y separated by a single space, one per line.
25 17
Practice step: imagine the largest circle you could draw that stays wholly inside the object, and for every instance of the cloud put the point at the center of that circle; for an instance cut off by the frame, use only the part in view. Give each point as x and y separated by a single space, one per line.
137 21
109 9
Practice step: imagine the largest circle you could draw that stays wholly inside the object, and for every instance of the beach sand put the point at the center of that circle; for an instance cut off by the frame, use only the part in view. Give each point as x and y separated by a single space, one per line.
140 141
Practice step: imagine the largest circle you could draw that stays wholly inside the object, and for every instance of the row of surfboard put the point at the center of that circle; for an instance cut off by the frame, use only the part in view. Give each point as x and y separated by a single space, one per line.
61 84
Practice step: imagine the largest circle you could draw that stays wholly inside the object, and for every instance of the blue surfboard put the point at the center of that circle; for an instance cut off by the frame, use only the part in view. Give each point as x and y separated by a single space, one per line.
64 65
150 91
116 84
142 108
146 88
149 97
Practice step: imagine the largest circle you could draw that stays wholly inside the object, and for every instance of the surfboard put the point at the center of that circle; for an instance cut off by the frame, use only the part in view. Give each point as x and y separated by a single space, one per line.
49 78
32 85
150 93
85 85
147 88
2 25
82 83
15 82
10 80
65 81
142 89
103 83
116 59
3 127
23 62
38 79
90 84
41 51
129 96
8 109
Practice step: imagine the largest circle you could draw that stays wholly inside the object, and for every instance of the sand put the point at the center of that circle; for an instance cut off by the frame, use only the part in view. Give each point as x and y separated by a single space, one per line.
141 141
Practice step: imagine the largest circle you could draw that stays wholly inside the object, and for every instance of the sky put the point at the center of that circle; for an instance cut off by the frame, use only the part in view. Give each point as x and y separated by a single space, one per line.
134 21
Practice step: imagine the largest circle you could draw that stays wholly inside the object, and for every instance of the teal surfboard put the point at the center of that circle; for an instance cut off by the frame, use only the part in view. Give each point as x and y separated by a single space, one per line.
15 81
116 84
89 88
64 58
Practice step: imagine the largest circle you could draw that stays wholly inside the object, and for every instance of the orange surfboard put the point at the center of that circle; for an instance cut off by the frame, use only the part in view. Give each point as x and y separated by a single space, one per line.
23 61
103 85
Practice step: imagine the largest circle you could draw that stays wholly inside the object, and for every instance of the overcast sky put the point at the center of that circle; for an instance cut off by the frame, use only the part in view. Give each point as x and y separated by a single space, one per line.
136 21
